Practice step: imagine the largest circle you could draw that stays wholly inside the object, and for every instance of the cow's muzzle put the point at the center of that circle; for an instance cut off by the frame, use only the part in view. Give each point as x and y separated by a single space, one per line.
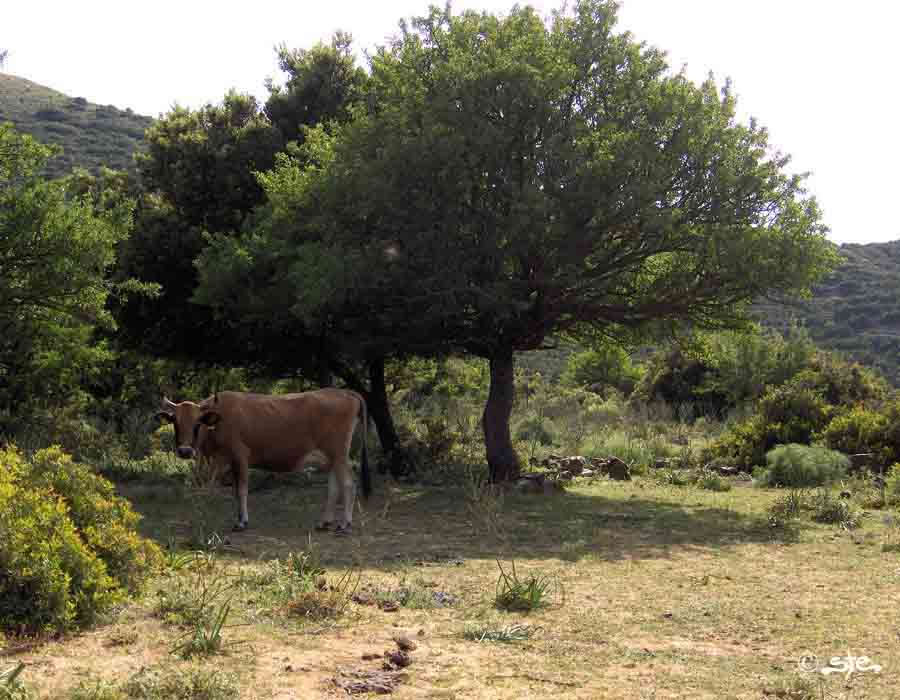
185 452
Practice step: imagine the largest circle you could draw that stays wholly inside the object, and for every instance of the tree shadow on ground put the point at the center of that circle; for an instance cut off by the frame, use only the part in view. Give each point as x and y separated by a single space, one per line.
411 524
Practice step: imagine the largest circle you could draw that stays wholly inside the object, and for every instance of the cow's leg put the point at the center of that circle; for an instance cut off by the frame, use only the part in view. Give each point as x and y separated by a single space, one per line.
344 476
330 503
241 483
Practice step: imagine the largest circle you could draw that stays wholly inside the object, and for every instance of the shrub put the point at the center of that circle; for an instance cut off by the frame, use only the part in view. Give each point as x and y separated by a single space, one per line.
52 582
607 365
858 430
798 466
789 505
67 548
835 511
105 521
892 485
534 430
792 413
710 481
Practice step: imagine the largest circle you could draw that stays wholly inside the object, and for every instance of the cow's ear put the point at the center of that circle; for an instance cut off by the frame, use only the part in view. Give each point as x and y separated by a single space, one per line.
165 415
210 418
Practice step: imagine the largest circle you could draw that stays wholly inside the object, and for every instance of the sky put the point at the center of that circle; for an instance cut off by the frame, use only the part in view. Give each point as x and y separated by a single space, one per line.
821 75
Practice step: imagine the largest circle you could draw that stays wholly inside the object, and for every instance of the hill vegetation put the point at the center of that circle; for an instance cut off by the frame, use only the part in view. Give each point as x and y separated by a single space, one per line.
90 135
856 310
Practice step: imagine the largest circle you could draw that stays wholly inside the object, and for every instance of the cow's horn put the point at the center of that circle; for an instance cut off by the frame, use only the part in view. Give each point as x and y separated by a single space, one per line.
166 404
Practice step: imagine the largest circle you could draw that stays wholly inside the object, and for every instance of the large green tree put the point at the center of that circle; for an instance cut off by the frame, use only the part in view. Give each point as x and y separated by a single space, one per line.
517 179
197 179
56 248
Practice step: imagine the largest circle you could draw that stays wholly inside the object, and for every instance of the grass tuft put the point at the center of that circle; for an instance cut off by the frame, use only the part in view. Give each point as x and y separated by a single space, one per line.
522 595
169 684
205 637
325 601
507 634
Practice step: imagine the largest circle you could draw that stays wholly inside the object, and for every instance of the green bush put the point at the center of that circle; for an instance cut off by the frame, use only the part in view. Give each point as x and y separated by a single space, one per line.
798 466
892 485
67 547
534 430
890 450
607 365
866 430
835 511
105 521
859 430
792 413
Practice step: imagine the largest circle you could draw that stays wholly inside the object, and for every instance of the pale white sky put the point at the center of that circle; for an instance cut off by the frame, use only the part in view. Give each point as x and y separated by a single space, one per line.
822 75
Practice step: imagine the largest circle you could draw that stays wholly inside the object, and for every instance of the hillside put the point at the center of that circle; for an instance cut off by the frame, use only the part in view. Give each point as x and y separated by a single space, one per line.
857 309
91 135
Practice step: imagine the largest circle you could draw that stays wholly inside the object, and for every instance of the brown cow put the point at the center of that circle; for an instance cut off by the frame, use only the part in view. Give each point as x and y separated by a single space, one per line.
276 433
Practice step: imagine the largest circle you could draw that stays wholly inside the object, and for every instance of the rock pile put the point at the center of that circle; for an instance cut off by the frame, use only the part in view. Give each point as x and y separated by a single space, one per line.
576 465
563 469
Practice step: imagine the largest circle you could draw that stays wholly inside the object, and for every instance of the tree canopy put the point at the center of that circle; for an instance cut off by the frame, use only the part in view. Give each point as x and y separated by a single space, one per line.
512 180
56 248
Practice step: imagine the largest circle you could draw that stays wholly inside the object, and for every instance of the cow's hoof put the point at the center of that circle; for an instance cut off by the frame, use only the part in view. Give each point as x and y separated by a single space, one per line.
343 530
239 527
324 525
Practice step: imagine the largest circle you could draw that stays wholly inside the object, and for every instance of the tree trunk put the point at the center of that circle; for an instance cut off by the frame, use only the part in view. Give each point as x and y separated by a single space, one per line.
380 408
395 458
502 459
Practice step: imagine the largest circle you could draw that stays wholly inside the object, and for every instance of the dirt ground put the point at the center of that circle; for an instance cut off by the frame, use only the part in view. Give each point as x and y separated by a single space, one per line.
656 592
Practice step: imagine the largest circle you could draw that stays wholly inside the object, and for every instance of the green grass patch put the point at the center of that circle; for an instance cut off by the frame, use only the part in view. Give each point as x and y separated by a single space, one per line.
516 594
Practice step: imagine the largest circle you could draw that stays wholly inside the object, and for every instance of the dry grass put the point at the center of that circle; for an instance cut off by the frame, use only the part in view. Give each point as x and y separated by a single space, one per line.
670 592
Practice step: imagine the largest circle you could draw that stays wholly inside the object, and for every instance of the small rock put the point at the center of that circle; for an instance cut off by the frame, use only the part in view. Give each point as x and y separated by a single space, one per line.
370 657
667 614
574 464
661 464
390 606
421 633
400 659
288 668
443 599
616 469
846 494
404 643
587 473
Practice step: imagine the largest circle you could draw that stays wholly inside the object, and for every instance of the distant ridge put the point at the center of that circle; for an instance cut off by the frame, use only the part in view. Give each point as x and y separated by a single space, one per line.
856 310
91 135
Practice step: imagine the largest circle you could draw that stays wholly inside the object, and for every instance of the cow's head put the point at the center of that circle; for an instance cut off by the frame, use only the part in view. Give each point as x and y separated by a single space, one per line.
192 422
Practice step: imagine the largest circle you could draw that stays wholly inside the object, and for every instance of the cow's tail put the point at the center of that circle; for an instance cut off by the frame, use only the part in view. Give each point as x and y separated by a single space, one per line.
365 476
